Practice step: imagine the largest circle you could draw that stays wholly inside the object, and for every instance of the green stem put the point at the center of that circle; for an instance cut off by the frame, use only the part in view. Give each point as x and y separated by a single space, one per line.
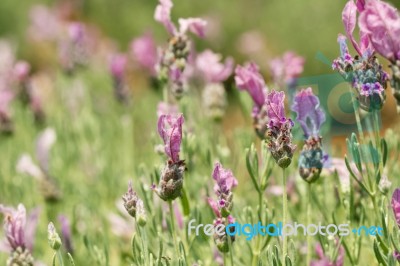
284 206
230 250
60 259
144 246
172 217
257 251
309 239
378 140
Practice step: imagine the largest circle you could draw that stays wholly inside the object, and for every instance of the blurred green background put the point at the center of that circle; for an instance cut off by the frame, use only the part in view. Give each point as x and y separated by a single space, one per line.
308 26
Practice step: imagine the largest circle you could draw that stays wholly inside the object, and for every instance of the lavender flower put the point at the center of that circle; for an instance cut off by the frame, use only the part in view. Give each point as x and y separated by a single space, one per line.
310 116
324 260
381 24
224 182
396 205
134 205
249 78
170 130
364 72
144 51
279 136
287 69
117 69
20 232
173 60
66 233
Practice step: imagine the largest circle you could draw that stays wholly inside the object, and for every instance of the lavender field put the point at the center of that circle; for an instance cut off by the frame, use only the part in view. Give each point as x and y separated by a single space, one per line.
171 132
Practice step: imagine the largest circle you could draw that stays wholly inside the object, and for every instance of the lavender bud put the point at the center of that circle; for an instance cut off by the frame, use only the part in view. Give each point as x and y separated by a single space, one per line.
53 237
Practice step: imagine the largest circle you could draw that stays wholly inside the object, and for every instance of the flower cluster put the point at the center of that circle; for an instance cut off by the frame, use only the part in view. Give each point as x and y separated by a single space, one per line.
19 232
380 22
173 60
396 211
248 78
224 182
279 132
171 182
363 71
310 117
134 205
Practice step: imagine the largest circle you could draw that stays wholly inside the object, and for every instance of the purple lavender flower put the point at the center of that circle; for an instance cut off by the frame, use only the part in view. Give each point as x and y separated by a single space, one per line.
287 69
224 182
279 136
170 130
19 232
134 205
309 112
324 260
310 116
380 22
171 182
363 71
66 233
248 78
144 51
396 205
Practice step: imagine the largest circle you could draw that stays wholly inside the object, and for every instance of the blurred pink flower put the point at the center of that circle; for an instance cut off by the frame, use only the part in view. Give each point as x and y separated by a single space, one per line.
162 14
194 25
19 229
66 233
21 71
212 69
381 23
117 65
286 69
325 260
396 205
164 108
144 51
170 130
44 24
248 78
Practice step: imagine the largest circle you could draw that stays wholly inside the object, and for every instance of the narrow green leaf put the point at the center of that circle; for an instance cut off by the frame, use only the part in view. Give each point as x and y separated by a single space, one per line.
379 256
384 148
185 202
